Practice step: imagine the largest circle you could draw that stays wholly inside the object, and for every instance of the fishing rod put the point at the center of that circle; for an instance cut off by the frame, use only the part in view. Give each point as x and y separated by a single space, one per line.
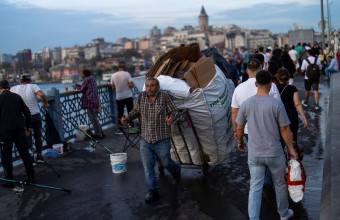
96 142
49 165
116 117
20 190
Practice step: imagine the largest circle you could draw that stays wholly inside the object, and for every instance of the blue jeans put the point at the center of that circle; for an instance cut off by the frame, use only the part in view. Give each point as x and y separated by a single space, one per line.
160 151
328 72
257 167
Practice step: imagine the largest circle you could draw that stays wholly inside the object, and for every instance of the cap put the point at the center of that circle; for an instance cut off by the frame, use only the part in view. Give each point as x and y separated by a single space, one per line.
25 76
122 64
4 84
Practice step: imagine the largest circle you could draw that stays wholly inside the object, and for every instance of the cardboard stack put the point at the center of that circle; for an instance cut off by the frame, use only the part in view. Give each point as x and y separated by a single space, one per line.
185 63
208 134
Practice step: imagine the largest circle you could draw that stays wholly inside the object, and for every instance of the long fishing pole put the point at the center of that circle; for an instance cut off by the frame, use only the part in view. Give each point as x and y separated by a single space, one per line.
116 117
36 185
97 142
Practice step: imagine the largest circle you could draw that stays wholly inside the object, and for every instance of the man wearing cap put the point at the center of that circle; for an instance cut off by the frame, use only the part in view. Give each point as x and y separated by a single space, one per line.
90 101
122 83
15 120
28 93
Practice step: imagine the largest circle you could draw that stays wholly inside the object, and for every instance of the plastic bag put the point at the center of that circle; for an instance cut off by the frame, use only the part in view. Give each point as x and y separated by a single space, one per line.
296 180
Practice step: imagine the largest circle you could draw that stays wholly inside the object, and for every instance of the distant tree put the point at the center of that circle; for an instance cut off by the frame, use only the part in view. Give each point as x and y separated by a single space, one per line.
23 67
99 72
5 65
114 68
131 53
130 69
147 55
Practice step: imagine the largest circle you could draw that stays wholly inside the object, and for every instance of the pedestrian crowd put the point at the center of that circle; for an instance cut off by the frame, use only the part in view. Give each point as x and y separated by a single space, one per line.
265 107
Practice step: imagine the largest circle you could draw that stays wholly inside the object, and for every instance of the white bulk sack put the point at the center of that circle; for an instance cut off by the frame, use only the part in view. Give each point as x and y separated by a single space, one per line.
176 87
210 112
295 181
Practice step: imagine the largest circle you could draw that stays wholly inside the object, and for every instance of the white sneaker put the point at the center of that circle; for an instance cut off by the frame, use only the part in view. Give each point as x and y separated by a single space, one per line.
290 214
304 103
118 132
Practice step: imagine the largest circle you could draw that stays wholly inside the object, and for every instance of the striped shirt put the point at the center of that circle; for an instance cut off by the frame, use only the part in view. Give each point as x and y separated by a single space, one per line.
89 88
153 115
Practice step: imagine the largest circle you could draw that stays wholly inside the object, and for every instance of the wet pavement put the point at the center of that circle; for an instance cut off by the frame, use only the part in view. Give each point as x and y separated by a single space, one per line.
97 193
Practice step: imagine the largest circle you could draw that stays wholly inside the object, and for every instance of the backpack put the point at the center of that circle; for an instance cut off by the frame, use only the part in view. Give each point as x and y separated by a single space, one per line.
313 71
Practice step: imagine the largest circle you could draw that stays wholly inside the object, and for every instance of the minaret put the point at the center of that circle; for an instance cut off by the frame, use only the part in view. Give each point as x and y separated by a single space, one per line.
203 20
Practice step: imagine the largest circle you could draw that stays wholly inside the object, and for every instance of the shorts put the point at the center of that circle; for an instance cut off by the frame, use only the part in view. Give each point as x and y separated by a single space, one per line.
309 85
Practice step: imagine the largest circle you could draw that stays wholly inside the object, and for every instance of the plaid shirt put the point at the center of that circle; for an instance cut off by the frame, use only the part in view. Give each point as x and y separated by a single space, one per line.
153 115
89 88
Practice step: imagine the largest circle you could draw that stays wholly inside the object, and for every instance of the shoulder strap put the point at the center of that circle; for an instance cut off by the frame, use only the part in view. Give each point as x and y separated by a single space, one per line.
283 89
315 59
308 61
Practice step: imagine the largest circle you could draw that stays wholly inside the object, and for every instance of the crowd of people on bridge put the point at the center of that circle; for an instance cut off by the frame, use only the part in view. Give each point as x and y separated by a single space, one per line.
265 107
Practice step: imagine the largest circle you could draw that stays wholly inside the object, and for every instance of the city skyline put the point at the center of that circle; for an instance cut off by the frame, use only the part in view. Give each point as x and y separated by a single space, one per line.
36 24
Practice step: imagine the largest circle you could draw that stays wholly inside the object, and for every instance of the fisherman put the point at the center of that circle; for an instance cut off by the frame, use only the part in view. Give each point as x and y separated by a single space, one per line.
121 81
157 112
28 93
90 101
15 118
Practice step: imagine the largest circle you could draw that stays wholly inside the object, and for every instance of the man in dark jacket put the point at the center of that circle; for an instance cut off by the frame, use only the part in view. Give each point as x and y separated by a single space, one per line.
14 127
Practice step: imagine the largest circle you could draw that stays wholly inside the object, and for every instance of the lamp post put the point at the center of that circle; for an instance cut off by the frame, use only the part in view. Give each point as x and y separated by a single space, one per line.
322 27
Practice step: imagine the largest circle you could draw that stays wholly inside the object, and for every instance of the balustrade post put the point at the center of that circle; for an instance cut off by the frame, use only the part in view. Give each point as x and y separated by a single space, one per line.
113 107
55 105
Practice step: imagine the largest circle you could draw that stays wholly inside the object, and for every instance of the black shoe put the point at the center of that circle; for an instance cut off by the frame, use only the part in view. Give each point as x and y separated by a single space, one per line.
152 196
176 178
30 179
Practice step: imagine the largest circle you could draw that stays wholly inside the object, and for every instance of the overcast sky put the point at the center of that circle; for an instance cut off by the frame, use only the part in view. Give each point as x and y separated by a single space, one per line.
36 24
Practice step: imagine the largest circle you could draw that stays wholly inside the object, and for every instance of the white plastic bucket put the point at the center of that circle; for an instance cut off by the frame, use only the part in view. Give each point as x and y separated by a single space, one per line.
118 162
58 147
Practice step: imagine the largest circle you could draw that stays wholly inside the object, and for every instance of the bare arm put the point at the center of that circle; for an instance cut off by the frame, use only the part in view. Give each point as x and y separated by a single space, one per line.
43 97
131 84
240 133
287 137
300 109
234 112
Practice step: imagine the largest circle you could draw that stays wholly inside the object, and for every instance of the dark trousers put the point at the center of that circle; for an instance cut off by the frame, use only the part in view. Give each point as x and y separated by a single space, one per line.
36 125
121 105
93 116
19 138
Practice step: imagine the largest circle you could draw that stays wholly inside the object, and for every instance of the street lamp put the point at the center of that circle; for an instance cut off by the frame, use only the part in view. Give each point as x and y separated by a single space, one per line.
322 26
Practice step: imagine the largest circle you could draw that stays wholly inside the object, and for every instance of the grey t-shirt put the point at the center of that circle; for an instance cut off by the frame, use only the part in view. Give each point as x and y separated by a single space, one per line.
264 116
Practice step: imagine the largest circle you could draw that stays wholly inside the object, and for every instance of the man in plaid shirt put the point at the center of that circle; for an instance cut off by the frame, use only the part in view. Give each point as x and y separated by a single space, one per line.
90 101
157 112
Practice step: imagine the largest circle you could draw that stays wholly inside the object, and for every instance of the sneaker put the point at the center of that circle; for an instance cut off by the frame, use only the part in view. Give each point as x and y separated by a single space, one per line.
290 214
152 196
304 103
316 106
118 132
39 160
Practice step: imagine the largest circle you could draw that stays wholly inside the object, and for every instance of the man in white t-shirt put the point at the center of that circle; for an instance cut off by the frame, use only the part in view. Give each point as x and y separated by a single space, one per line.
121 81
293 55
308 83
28 93
248 89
